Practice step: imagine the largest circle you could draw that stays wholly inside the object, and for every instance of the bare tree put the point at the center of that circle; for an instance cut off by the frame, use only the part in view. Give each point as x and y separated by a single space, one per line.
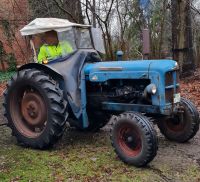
122 8
103 18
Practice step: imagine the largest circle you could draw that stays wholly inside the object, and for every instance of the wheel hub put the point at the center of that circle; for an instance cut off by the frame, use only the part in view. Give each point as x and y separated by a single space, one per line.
177 123
130 141
33 109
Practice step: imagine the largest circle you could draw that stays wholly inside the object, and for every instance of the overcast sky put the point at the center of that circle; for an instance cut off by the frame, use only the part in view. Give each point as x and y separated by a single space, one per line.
197 4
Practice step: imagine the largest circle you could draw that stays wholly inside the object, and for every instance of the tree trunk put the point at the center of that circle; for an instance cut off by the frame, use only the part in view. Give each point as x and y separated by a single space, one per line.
182 42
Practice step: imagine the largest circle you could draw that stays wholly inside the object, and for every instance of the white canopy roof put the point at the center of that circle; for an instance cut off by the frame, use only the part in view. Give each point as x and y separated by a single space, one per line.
41 25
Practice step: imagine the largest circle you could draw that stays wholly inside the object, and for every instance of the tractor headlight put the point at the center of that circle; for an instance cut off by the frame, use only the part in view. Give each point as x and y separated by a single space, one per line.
176 66
151 89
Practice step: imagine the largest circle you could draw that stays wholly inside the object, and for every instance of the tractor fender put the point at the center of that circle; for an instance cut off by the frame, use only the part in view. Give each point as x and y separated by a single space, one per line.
47 69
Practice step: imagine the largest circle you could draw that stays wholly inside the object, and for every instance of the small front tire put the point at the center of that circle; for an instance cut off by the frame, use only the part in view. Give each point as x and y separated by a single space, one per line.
134 139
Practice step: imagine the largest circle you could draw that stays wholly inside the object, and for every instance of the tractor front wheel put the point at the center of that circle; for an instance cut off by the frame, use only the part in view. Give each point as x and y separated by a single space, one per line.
35 109
182 126
134 139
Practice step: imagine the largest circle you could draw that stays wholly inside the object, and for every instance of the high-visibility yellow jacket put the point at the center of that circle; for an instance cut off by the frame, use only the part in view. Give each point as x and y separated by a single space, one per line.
49 52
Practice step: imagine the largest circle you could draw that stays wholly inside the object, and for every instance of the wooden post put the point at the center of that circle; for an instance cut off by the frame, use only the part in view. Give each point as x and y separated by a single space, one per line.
146 43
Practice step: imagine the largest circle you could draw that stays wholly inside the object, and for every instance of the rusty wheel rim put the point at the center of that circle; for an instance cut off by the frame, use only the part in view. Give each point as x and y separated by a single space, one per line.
33 109
177 124
129 140
28 111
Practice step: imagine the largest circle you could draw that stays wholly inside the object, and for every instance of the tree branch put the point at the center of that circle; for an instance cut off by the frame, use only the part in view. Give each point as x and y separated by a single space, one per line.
108 14
90 8
86 11
64 10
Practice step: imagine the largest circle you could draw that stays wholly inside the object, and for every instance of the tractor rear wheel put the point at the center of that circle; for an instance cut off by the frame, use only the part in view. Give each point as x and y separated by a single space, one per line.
183 126
35 108
134 139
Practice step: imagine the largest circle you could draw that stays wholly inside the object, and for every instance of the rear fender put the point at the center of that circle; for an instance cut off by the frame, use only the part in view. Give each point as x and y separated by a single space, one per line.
49 70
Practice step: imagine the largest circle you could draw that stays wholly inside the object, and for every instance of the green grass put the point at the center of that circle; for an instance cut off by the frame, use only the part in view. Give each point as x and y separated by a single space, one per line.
5 76
77 165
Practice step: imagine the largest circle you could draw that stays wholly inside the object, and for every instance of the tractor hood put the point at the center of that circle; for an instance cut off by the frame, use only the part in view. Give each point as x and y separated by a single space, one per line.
160 66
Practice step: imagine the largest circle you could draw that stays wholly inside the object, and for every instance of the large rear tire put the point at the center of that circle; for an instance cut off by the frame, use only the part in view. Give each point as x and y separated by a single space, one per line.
182 127
35 109
134 139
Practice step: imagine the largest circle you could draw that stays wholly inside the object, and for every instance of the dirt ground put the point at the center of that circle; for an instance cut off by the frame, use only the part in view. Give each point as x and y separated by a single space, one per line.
90 157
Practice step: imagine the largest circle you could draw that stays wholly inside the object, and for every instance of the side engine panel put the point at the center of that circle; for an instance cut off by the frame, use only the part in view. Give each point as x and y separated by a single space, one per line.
119 91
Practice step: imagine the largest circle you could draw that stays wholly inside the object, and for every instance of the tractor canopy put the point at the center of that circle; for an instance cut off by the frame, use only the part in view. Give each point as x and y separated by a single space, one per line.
42 25
68 34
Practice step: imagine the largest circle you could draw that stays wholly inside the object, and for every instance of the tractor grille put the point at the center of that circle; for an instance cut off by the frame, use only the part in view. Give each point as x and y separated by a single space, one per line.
169 79
177 77
171 88
169 95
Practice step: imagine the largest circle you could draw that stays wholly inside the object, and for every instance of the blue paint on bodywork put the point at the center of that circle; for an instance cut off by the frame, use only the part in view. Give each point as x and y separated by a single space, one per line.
100 72
160 66
154 70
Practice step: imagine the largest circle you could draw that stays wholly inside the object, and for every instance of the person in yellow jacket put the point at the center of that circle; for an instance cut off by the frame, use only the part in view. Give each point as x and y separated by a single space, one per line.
52 48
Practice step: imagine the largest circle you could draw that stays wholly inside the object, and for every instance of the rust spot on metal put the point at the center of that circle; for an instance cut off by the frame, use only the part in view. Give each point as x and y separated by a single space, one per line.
33 109
110 68
28 112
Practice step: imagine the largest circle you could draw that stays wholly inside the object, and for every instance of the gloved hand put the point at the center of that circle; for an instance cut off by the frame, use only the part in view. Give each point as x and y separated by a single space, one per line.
45 61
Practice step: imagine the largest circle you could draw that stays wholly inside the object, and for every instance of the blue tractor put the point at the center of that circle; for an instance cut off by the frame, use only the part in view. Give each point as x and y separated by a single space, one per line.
81 89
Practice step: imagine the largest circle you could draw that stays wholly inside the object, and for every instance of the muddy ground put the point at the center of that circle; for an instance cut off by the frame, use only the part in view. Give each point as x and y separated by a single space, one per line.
90 157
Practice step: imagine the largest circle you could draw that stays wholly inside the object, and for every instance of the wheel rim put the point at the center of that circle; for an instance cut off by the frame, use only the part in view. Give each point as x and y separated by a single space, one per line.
28 111
177 124
129 140
33 109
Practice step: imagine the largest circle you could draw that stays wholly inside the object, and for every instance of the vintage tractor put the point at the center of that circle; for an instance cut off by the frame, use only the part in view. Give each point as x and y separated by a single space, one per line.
81 89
